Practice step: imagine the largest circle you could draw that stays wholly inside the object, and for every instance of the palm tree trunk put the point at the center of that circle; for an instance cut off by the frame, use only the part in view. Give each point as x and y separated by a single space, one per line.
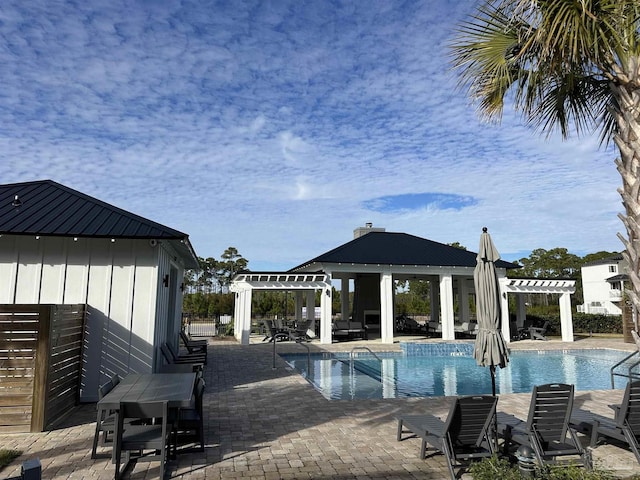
627 139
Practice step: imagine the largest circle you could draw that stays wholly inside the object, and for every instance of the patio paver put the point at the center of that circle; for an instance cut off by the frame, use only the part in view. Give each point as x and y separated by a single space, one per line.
267 423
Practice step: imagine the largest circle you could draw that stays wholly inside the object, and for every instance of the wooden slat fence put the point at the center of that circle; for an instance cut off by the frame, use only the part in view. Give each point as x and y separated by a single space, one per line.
40 364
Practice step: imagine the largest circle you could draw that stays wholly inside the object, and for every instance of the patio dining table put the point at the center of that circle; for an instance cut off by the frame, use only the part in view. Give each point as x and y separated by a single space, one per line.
175 388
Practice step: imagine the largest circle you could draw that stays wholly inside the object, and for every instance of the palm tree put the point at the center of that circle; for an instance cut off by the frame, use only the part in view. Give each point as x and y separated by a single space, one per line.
567 65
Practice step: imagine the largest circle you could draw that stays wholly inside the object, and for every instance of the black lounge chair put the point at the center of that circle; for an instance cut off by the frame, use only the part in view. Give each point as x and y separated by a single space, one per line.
548 429
466 434
170 358
275 334
193 346
625 426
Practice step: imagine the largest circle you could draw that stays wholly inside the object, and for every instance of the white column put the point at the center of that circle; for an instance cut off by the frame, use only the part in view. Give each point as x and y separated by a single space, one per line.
311 305
566 320
463 301
446 306
311 311
297 306
344 299
237 316
325 315
504 309
386 307
245 317
435 301
521 314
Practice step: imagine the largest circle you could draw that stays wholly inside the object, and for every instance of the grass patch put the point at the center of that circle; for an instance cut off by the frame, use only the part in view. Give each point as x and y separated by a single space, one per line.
8 456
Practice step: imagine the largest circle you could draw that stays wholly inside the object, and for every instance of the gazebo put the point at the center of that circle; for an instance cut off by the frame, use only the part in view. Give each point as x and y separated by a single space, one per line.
372 262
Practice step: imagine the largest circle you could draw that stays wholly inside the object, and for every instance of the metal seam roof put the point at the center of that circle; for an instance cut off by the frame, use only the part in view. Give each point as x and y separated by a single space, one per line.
49 208
388 248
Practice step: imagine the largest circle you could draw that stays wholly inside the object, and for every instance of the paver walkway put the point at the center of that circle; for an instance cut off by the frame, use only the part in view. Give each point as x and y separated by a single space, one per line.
266 423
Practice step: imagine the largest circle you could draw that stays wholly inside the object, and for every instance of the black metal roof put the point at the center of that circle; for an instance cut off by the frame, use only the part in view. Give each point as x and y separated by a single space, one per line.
45 207
387 248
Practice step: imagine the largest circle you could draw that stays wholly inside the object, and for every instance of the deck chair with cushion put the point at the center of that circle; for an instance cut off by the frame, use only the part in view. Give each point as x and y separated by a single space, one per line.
466 434
547 429
150 441
193 346
625 426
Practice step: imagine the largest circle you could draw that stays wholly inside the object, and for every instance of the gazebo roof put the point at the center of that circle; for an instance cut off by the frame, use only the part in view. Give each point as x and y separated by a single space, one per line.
45 207
387 248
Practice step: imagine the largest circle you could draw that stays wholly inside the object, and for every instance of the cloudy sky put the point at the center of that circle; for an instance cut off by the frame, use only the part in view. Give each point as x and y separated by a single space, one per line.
279 127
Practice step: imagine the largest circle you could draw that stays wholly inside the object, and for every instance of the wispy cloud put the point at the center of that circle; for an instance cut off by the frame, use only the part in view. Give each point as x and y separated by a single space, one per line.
276 126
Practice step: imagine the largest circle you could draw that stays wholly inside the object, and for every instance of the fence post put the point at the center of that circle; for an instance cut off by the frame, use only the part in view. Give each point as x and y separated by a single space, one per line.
41 371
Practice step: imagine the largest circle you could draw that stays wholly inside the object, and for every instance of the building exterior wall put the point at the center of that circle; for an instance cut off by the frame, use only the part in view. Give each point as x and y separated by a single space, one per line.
597 292
130 311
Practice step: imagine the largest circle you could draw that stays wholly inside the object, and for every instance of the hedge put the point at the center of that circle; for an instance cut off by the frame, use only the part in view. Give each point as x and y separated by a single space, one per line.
582 323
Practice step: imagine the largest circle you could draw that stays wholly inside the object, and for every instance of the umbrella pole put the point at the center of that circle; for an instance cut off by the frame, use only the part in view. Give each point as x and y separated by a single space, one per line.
492 369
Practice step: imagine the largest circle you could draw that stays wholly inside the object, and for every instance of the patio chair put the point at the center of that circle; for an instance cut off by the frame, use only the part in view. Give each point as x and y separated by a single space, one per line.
105 423
189 425
547 429
171 359
193 346
538 333
193 357
625 426
466 434
275 334
133 434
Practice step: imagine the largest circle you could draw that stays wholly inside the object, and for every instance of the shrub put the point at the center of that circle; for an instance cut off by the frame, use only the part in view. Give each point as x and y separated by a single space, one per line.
8 456
582 323
496 468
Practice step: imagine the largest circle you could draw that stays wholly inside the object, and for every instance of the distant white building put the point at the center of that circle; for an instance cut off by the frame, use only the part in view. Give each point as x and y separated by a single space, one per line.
603 284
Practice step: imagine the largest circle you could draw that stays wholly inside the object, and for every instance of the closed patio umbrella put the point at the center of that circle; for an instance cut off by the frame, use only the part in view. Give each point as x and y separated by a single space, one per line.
490 348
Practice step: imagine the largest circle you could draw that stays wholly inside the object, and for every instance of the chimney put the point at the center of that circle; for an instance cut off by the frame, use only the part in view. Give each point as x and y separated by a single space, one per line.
368 227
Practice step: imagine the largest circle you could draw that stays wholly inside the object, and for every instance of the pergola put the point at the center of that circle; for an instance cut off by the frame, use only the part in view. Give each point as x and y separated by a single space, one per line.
304 285
373 262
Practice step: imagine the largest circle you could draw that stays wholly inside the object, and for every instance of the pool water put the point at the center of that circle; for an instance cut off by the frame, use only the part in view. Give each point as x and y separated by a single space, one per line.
430 373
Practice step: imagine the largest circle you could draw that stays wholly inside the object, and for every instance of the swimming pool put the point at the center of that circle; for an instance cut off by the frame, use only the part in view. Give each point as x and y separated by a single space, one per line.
435 370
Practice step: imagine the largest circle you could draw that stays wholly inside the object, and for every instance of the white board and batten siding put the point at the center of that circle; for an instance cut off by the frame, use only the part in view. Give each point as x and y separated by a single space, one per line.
130 311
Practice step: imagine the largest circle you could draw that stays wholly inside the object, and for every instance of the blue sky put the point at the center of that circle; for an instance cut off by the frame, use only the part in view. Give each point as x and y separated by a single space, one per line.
280 127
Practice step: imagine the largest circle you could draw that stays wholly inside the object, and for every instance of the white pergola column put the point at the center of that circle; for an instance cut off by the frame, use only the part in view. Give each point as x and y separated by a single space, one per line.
237 316
386 307
566 319
521 312
463 302
325 315
311 310
446 306
435 301
242 322
298 305
344 299
310 303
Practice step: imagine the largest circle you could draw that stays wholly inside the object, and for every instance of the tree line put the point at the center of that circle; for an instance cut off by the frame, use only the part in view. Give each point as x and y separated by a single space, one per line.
207 289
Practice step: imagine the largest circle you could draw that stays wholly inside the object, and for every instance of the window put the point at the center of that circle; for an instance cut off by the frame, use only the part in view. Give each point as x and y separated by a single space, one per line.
613 268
